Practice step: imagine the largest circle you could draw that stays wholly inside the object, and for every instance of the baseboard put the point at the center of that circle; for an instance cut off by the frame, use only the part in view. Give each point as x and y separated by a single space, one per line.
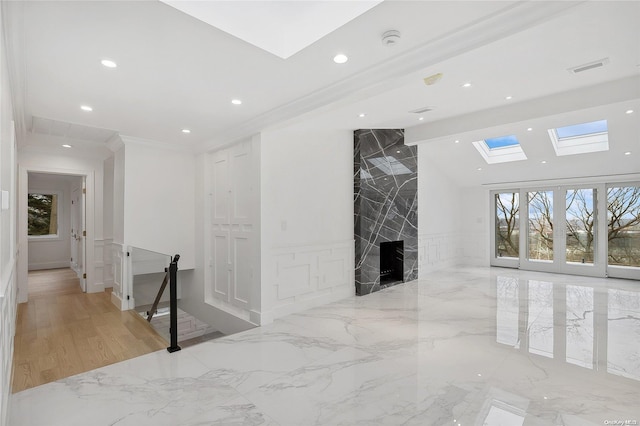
117 301
49 265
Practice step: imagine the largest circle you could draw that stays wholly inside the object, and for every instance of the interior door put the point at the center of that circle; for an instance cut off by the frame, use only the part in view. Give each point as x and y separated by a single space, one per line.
82 247
78 239
76 226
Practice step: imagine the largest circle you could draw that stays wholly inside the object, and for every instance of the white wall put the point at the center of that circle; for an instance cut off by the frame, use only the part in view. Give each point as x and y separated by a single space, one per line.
8 243
307 219
55 252
159 200
475 226
439 216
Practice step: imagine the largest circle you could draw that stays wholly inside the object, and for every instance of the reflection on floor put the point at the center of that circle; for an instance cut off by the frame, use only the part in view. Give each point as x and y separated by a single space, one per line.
62 331
474 346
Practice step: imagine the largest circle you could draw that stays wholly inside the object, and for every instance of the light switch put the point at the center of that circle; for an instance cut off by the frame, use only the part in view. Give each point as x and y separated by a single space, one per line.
5 200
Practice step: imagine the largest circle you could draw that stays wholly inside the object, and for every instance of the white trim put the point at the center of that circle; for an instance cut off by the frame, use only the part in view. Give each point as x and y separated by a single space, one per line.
151 144
61 212
499 155
579 144
23 190
48 265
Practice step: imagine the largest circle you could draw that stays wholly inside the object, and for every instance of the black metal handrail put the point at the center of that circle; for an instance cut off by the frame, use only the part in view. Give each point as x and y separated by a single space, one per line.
173 303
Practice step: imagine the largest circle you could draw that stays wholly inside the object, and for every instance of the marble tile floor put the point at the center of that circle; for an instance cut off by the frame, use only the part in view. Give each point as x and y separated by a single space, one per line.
465 346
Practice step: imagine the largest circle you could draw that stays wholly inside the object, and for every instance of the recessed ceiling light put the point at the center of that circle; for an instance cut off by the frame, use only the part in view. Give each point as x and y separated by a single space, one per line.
508 97
466 85
627 153
186 131
236 101
529 129
86 108
340 58
544 161
398 152
108 63
362 114
421 118
66 145
479 168
456 141
629 111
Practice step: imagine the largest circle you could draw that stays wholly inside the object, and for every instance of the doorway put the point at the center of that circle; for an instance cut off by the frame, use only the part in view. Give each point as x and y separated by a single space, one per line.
54 246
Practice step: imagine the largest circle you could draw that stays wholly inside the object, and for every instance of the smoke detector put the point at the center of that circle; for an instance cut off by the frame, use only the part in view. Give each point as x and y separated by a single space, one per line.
391 38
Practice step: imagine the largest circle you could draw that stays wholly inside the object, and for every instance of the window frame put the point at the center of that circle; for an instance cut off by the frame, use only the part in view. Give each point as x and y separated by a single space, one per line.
60 206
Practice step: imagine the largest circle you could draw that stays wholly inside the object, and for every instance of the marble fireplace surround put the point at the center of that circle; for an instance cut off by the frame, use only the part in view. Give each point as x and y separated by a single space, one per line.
385 204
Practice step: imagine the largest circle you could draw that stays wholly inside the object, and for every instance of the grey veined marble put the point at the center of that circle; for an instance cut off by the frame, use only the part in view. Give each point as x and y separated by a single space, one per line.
464 346
385 206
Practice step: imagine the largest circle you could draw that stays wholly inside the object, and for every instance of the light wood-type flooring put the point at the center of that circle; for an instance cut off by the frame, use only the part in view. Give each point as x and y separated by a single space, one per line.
62 331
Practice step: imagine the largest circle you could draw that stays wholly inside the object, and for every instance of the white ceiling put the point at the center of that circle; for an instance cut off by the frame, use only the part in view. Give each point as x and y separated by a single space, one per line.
280 27
175 71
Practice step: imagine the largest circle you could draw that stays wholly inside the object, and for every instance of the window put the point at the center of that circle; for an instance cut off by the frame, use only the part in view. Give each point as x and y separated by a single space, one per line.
541 225
507 224
580 225
623 217
580 138
43 214
501 149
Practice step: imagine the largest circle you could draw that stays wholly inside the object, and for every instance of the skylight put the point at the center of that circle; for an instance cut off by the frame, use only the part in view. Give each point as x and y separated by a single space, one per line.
580 138
501 149
501 141
583 129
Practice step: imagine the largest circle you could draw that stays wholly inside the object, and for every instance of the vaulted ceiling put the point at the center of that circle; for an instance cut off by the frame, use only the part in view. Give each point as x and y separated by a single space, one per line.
176 72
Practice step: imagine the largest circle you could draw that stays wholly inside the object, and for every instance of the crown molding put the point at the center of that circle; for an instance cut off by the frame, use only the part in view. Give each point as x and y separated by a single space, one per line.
392 73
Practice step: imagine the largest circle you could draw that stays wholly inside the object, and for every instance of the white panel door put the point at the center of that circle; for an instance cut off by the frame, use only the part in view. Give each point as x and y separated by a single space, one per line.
221 268
220 193
242 270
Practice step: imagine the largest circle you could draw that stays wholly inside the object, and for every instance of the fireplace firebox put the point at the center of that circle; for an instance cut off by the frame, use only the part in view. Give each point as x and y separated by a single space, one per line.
391 262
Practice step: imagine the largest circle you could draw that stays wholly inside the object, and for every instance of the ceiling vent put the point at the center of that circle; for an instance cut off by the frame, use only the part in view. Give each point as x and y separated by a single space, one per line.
589 66
423 109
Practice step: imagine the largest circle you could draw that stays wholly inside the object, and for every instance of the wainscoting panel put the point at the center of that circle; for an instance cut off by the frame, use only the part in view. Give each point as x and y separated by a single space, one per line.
7 332
437 251
99 249
108 263
309 275
118 296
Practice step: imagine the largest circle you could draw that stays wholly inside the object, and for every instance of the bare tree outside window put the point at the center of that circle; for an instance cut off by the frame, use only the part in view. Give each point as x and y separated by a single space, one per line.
42 214
623 217
507 224
580 219
541 225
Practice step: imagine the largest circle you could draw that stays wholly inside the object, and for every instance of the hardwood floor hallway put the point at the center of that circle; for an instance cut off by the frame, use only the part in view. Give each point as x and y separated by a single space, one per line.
62 331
